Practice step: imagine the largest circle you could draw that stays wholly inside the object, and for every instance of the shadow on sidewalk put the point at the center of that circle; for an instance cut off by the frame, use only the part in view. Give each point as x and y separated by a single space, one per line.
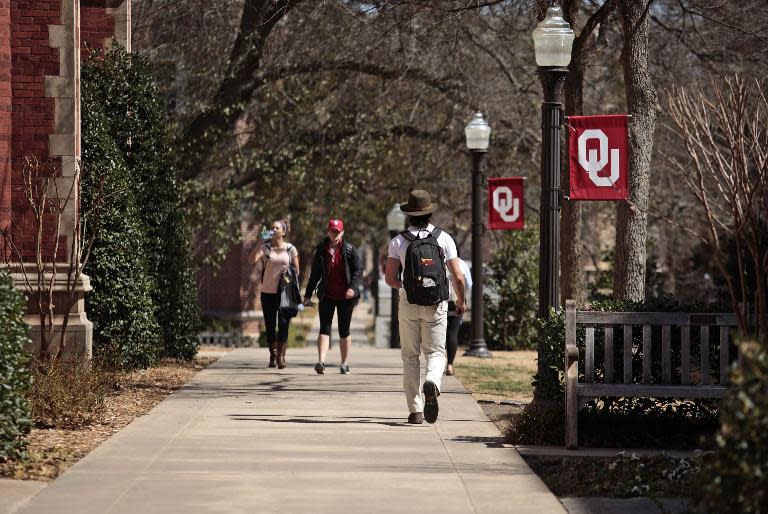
401 422
490 442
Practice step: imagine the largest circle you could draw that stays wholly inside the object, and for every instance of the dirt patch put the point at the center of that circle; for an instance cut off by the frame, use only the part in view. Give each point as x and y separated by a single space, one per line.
51 451
623 476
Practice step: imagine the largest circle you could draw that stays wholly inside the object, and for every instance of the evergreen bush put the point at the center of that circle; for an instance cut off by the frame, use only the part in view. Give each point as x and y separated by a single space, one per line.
512 297
735 475
121 304
14 371
137 123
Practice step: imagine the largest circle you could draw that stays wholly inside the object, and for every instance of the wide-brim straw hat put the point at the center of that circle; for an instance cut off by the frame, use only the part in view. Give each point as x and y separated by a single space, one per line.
419 203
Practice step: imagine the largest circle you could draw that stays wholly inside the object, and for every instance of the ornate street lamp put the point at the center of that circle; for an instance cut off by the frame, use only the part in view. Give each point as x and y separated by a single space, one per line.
395 224
552 39
478 134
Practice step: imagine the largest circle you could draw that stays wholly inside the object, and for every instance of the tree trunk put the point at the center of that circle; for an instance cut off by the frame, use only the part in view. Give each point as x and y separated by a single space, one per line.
571 253
642 104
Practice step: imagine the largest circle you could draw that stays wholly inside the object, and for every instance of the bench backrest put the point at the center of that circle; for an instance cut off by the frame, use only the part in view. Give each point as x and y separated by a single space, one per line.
687 323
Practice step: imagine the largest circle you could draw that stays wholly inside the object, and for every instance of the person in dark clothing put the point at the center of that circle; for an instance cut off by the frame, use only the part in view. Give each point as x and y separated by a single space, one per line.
336 272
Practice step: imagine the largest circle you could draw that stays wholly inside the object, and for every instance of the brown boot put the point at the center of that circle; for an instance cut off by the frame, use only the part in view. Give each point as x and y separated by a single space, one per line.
272 355
281 354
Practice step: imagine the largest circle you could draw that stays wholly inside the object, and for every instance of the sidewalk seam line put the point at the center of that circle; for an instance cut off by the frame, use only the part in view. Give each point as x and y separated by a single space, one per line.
461 477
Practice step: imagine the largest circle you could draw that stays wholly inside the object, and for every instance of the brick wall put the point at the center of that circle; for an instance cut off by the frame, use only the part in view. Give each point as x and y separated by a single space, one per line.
32 113
101 21
97 26
233 294
6 126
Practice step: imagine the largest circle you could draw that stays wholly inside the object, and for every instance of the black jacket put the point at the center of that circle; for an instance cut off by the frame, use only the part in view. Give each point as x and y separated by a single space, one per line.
353 265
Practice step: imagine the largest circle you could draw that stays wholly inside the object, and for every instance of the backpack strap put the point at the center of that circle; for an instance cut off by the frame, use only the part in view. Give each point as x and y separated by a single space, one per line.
436 232
408 236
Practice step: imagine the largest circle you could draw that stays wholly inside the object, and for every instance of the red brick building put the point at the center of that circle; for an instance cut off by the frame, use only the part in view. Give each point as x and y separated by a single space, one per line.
41 42
232 294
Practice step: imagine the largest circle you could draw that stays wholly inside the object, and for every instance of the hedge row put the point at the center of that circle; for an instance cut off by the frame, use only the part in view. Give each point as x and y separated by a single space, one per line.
121 304
121 103
14 370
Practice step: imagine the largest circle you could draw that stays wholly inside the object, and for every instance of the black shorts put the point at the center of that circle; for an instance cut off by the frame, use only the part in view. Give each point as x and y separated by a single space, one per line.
344 308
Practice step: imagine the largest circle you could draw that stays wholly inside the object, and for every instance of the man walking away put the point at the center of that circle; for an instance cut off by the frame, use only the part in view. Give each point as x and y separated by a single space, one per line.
422 253
336 272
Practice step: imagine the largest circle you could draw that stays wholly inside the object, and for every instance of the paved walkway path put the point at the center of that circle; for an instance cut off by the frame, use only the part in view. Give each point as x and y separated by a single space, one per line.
243 438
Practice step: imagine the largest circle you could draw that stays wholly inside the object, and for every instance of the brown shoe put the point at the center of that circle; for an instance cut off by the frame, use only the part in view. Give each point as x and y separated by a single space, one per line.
281 354
449 370
272 355
416 418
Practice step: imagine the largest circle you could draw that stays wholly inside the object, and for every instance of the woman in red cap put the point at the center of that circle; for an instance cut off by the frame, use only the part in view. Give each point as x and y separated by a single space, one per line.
336 272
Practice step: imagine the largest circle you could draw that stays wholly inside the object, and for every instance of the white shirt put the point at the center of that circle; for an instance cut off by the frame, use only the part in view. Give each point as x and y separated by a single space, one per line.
399 244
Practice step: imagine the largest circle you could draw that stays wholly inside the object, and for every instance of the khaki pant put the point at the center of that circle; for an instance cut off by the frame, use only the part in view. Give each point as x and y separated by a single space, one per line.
422 330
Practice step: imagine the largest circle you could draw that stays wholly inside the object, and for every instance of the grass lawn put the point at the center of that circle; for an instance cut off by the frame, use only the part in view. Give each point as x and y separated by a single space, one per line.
505 376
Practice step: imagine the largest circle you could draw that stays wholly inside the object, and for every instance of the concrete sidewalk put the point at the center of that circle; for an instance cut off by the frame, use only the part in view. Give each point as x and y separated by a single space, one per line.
243 438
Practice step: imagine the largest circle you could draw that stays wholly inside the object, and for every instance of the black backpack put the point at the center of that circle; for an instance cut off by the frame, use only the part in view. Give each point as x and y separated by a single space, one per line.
424 277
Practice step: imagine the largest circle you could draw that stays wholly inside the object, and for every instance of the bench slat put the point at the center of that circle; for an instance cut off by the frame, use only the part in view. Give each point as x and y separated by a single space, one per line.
655 318
589 364
627 354
647 354
704 331
642 390
608 355
685 355
724 355
666 354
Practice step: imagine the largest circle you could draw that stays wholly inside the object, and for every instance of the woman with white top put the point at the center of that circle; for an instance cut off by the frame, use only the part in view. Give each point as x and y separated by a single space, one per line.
275 256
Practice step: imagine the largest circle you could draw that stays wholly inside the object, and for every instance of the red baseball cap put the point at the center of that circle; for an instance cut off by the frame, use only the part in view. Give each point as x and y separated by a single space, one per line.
335 224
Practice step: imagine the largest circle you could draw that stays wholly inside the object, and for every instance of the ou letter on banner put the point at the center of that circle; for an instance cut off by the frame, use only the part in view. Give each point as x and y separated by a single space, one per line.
505 203
599 157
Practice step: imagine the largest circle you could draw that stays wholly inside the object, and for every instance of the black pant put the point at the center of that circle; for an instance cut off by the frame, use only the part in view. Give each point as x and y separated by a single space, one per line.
270 306
452 337
344 308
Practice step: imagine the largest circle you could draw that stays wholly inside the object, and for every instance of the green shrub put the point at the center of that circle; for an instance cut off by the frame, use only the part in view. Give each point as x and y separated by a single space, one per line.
67 395
120 305
735 476
14 371
137 123
512 292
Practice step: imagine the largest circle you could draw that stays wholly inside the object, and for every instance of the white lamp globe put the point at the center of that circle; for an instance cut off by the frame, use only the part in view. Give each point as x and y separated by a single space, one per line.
478 133
396 219
553 39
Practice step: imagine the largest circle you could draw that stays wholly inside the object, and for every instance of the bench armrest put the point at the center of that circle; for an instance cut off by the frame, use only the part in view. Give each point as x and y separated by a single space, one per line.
571 355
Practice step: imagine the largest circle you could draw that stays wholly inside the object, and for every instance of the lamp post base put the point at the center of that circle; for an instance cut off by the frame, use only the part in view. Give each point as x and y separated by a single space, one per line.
478 348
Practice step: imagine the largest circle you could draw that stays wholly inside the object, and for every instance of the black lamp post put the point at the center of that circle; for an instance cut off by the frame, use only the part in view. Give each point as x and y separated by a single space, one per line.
478 134
395 224
553 39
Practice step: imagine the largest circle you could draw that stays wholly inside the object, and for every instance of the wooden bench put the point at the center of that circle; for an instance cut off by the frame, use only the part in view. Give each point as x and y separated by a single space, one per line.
220 338
691 380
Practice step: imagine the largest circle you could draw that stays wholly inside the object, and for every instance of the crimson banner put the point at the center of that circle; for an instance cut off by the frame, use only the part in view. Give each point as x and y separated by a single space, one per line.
599 157
505 203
